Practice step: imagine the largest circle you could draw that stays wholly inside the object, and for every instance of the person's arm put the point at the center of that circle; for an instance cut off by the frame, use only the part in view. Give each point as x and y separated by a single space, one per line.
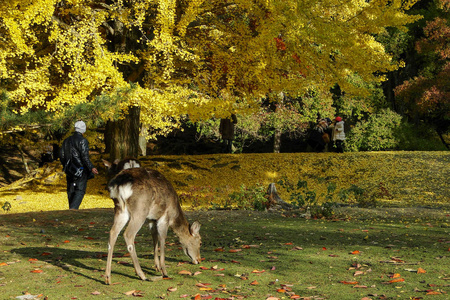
84 151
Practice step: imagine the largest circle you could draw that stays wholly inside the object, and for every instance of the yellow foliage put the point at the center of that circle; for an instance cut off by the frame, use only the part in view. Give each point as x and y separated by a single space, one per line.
57 54
409 178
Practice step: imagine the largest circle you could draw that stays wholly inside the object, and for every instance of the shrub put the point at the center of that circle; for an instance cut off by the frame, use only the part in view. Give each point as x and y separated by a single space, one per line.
253 198
376 133
419 137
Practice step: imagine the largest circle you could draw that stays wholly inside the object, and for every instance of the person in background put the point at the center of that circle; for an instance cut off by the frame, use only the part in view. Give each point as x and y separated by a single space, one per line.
226 129
319 136
339 135
76 149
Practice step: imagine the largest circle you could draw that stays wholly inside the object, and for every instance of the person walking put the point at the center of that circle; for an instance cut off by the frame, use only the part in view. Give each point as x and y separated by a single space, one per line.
75 156
226 129
339 135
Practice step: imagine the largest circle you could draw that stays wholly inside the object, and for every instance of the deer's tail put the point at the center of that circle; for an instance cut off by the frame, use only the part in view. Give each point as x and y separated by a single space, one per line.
121 193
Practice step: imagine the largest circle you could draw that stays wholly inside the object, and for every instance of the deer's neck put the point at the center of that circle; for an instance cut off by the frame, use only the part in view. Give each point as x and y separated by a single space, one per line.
180 225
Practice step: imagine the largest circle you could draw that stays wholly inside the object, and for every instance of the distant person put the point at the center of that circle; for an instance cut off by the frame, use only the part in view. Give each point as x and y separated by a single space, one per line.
226 129
75 156
319 136
47 155
339 135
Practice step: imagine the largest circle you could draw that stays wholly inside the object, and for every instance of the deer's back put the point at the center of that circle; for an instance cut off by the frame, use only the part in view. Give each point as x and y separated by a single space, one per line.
146 191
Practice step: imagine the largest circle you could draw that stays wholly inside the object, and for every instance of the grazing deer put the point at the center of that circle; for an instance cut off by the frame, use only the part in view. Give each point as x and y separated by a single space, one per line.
141 194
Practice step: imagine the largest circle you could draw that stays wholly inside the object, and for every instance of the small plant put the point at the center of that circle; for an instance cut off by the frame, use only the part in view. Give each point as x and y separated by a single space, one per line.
302 197
326 210
249 198
6 206
359 195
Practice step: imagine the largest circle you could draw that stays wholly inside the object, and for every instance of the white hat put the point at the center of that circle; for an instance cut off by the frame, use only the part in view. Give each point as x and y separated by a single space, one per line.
80 127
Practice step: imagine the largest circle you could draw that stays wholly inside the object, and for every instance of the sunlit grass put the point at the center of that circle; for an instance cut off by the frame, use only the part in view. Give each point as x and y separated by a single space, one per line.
397 178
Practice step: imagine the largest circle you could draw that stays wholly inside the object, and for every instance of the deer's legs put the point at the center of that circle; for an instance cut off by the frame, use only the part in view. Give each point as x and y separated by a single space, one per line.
154 231
120 219
162 227
130 234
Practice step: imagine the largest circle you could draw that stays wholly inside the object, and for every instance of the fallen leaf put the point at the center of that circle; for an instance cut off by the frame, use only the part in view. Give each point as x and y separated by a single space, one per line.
171 289
281 291
219 250
256 271
349 282
433 293
129 293
234 250
254 283
272 298
396 280
395 275
37 271
185 272
355 252
360 287
201 284
66 241
357 273
96 293
3 264
421 271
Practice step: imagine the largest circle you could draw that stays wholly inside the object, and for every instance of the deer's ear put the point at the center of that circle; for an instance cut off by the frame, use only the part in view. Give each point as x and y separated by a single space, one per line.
107 164
195 228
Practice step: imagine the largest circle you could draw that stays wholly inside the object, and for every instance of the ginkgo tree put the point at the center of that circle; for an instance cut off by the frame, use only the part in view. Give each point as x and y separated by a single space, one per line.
172 59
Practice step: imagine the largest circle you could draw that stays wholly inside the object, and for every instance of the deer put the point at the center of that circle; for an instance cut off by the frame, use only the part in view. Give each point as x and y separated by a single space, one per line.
141 194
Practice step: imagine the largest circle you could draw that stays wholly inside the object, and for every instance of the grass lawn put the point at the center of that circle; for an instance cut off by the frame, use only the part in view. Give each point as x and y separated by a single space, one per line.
388 253
398 250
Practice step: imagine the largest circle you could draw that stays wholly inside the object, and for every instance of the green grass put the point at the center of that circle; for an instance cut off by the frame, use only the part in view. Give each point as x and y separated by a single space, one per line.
311 257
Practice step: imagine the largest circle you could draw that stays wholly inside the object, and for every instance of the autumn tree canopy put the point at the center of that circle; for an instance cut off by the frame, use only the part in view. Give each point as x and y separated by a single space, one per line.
187 57
427 96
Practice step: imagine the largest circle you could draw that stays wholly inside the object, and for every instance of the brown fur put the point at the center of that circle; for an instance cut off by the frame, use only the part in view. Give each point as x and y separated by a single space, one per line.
141 194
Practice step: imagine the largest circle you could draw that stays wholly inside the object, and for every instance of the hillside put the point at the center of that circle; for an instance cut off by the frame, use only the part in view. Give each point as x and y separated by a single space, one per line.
391 178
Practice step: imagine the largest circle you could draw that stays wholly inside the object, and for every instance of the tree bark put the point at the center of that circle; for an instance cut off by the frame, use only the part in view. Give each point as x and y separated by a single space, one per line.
122 136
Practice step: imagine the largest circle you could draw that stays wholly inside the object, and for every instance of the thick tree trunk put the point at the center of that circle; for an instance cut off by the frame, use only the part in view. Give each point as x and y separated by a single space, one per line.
122 137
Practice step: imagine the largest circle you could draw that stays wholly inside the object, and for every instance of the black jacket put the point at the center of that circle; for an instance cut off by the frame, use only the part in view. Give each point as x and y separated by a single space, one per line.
76 148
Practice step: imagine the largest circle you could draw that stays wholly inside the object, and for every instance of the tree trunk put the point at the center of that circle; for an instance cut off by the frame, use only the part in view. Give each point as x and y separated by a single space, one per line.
122 136
277 141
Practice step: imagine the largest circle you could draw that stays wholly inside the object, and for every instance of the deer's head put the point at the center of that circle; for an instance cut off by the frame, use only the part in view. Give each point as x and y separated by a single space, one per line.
191 245
115 167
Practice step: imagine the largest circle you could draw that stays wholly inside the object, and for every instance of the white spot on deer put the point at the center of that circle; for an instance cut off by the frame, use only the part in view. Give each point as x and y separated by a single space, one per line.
130 248
131 164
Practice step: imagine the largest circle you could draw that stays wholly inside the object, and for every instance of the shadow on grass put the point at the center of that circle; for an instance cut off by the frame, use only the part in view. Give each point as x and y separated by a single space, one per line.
72 261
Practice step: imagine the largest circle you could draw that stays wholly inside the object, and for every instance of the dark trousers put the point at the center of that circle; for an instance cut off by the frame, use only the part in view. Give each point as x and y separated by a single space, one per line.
227 146
339 146
76 190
